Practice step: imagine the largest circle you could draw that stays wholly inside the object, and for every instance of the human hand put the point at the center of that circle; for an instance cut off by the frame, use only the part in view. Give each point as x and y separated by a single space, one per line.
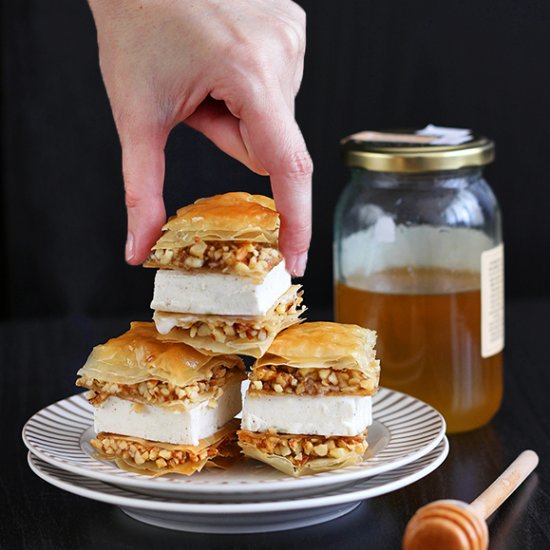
228 69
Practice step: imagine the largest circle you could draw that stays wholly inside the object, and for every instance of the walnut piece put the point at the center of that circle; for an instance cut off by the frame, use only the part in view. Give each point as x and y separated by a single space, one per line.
310 381
301 448
156 392
247 259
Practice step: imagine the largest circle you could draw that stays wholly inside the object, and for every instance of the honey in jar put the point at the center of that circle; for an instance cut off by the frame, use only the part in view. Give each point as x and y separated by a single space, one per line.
419 259
428 338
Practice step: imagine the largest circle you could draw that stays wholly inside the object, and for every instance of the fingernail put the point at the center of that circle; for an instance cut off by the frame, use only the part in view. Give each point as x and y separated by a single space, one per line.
297 265
130 248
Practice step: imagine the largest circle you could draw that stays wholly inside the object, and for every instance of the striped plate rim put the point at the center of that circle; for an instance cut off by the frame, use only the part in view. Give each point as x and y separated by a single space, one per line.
362 489
410 429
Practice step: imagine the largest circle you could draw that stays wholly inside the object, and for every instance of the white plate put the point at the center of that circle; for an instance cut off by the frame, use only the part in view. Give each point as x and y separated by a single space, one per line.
245 516
404 430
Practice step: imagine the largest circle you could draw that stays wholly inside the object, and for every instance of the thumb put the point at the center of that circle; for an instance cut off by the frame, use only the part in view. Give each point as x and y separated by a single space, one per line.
143 171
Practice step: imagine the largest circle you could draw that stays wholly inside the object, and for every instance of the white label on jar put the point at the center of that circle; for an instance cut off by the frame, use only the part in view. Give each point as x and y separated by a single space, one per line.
492 301
430 135
443 135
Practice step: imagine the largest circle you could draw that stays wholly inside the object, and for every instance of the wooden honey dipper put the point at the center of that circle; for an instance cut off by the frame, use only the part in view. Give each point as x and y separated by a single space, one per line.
456 525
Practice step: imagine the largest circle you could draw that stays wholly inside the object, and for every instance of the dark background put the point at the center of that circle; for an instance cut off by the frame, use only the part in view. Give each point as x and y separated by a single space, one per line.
477 64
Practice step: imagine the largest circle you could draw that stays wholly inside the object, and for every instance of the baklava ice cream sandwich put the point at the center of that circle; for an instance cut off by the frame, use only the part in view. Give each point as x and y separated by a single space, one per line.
221 284
308 406
162 407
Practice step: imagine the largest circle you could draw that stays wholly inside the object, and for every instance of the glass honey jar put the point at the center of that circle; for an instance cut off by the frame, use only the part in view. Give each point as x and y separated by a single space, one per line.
418 257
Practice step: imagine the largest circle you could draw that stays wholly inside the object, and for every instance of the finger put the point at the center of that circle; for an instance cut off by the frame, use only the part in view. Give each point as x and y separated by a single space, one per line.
298 74
295 24
276 141
213 119
143 170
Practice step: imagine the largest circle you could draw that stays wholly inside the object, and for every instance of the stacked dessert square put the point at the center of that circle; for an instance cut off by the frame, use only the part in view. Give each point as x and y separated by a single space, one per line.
162 407
222 285
165 393
308 406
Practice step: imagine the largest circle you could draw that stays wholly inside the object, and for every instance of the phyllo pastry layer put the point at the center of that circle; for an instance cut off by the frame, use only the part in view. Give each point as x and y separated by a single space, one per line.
297 454
156 458
231 233
319 358
138 366
232 334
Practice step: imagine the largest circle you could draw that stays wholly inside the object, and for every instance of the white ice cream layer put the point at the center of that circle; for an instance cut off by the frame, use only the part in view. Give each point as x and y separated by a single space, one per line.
345 415
117 416
218 293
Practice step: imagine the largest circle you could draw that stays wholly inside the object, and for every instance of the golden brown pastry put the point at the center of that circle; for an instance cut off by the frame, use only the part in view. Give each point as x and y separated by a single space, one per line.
233 233
151 397
298 455
308 406
222 284
155 459
320 358
140 367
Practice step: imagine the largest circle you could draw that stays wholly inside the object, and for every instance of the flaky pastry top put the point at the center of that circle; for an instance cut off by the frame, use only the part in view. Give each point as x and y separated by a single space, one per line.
324 345
235 216
138 355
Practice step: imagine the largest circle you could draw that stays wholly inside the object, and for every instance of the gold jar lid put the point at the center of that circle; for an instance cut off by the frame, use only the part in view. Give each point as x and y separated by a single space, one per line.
406 151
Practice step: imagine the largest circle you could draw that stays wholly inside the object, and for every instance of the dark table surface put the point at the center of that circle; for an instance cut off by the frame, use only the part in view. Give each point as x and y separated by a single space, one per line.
39 361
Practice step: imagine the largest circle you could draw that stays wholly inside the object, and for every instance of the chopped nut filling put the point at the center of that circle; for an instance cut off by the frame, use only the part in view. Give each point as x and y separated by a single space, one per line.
225 330
299 449
246 259
111 447
284 379
156 392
